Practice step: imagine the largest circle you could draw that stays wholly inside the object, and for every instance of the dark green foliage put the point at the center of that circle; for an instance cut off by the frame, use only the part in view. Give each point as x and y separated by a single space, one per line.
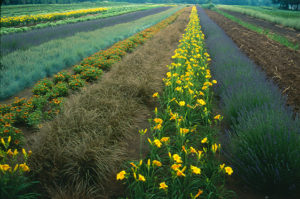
15 186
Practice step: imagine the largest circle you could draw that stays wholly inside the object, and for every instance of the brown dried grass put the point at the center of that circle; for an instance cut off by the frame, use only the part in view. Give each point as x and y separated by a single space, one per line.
76 155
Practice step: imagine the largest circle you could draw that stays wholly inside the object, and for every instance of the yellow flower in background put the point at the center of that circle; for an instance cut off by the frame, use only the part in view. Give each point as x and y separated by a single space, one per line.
3 142
158 120
132 164
175 166
157 163
163 186
183 148
142 178
214 81
24 167
222 166
4 167
184 130
198 194
181 103
201 102
165 139
158 127
155 94
217 117
204 140
121 175
228 170
177 158
180 172
204 88
214 147
157 143
193 150
9 152
195 170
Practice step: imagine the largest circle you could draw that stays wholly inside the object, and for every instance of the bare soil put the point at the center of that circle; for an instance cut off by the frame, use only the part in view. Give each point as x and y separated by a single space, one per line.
280 63
292 34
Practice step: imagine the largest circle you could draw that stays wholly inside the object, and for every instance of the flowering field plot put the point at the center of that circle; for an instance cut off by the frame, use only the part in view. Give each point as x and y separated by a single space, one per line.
55 55
30 19
46 103
12 24
183 159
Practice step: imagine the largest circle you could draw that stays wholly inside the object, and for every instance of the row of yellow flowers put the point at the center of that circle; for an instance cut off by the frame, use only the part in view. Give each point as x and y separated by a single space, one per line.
183 159
30 19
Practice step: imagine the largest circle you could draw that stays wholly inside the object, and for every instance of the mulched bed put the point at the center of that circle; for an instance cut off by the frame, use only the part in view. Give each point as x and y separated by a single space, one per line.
280 63
25 40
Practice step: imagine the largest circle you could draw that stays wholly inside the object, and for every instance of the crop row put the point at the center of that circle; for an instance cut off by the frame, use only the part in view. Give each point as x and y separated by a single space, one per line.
282 17
263 138
47 102
30 19
23 68
183 158
112 11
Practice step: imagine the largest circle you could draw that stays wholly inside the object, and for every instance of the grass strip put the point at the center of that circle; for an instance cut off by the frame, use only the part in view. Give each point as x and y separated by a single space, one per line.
114 11
273 36
32 111
282 17
22 69
263 134
183 158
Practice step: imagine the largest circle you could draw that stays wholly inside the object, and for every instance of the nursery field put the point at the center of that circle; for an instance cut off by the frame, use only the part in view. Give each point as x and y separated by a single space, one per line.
30 65
25 40
278 16
33 9
292 34
281 64
23 23
172 102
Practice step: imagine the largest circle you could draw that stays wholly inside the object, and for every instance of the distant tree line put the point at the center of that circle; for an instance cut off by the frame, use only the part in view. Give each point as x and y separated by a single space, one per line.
284 4
288 4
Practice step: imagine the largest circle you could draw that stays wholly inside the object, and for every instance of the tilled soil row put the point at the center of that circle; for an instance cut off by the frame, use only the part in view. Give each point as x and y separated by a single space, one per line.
98 128
280 63
292 34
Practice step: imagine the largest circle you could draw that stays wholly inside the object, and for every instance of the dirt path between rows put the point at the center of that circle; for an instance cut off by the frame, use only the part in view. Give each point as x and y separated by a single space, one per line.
25 40
98 128
280 63
292 34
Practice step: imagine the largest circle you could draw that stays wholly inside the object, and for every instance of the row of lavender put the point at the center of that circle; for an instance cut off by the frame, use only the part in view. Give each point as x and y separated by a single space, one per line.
263 138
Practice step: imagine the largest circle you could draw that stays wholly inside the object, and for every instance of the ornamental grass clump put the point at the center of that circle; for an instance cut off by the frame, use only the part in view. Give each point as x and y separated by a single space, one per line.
265 144
183 158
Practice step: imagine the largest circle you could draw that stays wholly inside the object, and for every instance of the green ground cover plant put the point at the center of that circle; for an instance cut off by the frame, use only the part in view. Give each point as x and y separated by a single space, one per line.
282 17
276 37
21 69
